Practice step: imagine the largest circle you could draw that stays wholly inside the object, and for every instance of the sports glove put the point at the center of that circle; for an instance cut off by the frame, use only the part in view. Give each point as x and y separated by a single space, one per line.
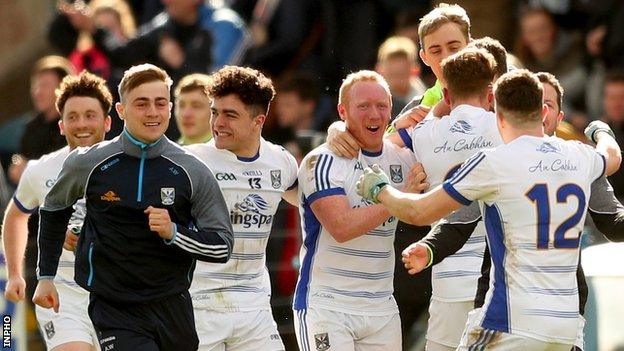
595 127
371 183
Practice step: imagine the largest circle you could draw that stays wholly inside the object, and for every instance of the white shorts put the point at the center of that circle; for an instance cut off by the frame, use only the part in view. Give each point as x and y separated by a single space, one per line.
477 338
237 331
580 334
319 329
71 324
447 321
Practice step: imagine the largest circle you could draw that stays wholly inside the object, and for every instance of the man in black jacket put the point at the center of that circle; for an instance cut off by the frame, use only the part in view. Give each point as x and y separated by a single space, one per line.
152 210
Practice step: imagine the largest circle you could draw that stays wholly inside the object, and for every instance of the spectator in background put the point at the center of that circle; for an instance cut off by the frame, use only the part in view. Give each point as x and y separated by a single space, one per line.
190 36
115 16
41 133
278 29
294 124
614 115
192 109
396 62
542 46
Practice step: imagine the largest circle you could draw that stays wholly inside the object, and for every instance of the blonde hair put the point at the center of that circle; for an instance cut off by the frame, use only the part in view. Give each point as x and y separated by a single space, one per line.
397 46
360 76
443 14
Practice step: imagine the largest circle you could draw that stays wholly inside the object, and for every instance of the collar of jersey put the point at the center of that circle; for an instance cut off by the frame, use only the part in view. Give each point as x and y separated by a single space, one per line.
135 147
372 153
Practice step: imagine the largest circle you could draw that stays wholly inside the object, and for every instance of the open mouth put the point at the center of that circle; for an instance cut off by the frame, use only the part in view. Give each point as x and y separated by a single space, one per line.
83 135
373 128
151 124
221 134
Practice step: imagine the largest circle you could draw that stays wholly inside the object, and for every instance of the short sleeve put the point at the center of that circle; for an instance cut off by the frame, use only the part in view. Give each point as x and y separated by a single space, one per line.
291 171
320 175
473 180
25 197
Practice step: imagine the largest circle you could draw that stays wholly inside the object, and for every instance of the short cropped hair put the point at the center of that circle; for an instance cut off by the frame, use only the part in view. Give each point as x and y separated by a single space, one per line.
550 79
519 96
468 72
84 85
443 14
252 87
360 76
193 82
53 63
397 46
141 74
496 49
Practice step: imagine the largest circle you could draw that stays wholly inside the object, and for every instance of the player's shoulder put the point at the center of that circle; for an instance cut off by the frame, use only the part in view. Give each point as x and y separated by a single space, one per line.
276 153
51 160
325 158
393 151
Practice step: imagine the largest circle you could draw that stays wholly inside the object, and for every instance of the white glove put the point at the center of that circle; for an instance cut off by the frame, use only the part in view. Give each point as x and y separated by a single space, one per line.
371 183
595 127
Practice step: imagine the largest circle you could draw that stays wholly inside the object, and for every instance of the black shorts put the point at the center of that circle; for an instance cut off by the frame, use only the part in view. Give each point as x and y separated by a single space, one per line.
163 324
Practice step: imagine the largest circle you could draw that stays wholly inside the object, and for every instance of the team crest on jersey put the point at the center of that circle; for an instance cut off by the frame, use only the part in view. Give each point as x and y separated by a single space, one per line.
547 147
167 196
49 329
396 173
461 127
322 341
276 178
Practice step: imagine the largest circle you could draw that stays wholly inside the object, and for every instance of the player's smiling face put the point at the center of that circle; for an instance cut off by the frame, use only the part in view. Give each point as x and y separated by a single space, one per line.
83 122
366 113
235 126
440 44
555 115
146 110
193 114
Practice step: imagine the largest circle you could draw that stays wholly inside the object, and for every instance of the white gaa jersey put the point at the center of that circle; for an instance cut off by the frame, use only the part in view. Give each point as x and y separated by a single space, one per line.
38 178
252 188
533 194
442 145
356 276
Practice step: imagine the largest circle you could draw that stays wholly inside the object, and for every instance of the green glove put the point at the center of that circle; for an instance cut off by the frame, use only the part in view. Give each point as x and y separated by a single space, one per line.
371 183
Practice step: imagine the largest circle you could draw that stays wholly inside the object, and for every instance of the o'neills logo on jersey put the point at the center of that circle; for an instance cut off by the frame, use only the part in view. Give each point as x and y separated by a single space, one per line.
110 196
247 212
464 144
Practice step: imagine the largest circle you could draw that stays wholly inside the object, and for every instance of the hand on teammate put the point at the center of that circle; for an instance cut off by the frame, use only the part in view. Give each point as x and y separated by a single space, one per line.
416 180
371 183
46 295
411 117
416 257
160 222
15 289
341 142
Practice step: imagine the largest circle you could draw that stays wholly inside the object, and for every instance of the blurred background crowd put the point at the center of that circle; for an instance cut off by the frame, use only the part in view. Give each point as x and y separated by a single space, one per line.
306 47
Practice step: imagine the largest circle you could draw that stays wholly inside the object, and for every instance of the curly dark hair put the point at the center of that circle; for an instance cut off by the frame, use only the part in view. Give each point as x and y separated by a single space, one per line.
85 84
252 87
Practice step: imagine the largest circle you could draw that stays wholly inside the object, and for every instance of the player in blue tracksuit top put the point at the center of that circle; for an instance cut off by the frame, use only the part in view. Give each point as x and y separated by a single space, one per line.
152 210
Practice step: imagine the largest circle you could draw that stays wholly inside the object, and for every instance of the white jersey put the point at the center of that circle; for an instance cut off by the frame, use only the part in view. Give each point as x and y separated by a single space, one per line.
355 276
38 177
533 194
442 145
252 189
